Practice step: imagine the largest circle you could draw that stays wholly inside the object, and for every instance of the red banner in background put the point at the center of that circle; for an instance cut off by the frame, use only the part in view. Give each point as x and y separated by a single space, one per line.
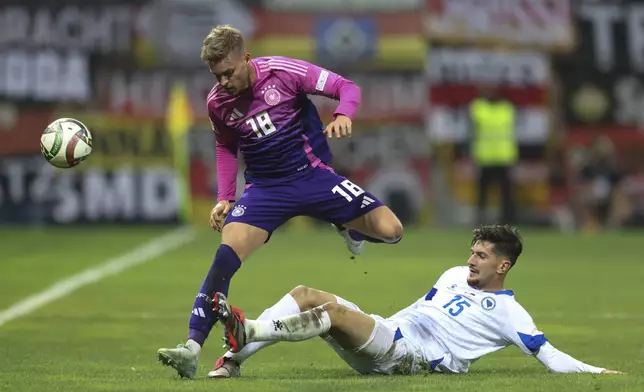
454 75
546 24
21 128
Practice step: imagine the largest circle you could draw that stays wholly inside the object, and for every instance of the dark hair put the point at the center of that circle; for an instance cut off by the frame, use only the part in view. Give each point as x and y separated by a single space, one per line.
506 240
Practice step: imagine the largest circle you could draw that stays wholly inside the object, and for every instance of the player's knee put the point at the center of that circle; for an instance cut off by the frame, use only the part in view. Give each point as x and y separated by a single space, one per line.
391 230
300 293
306 297
335 310
243 239
397 230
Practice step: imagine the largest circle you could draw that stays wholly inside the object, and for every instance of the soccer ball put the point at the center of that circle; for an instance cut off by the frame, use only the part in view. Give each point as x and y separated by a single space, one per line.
66 143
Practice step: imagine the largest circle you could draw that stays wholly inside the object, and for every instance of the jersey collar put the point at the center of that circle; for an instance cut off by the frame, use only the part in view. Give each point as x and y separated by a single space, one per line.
501 292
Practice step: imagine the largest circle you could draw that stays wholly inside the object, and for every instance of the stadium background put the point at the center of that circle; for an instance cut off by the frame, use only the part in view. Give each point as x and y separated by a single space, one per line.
131 71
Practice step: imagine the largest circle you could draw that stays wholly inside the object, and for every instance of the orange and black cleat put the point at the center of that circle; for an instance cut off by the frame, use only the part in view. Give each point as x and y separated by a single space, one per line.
233 320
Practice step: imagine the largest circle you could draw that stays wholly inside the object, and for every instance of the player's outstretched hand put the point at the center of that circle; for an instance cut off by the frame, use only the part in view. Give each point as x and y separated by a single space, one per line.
607 371
340 127
218 214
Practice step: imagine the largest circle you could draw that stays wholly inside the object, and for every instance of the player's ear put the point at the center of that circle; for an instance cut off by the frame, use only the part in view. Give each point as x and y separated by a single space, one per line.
247 57
504 267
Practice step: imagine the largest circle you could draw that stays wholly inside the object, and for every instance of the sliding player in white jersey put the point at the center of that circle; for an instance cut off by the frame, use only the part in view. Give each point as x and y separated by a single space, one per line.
466 315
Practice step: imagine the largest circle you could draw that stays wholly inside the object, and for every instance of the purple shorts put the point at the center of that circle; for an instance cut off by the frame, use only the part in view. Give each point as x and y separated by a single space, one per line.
319 193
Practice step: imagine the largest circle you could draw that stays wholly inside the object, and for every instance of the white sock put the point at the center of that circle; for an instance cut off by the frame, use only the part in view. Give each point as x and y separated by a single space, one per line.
294 328
284 307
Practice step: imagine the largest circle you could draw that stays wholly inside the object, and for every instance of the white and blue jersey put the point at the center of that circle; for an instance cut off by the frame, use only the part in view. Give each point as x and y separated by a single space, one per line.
455 324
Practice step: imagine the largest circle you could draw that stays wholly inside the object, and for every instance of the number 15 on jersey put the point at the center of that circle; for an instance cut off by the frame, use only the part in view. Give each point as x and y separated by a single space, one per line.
456 305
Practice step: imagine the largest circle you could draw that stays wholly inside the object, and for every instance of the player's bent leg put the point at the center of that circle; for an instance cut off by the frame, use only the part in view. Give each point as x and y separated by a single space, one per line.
300 299
229 365
351 209
378 225
350 328
308 298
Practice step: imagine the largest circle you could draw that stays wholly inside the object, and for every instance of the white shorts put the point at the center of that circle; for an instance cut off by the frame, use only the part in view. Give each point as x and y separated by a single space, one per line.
382 353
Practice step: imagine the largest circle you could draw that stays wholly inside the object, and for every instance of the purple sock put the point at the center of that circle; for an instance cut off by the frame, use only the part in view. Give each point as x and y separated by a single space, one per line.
358 236
223 268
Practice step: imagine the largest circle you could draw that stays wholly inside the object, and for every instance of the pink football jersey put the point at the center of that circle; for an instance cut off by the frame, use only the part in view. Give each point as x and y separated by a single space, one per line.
274 124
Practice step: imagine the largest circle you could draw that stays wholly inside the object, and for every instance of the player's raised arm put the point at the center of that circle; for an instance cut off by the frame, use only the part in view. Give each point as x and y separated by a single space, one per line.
308 78
315 80
524 333
319 81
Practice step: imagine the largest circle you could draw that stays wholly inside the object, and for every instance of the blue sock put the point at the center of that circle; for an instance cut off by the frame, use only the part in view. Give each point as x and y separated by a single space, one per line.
358 236
203 317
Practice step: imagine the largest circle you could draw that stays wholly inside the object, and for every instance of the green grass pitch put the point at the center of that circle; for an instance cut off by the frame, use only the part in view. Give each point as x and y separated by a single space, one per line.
584 292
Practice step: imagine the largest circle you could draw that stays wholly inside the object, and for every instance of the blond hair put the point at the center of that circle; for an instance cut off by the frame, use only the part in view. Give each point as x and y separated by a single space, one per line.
220 43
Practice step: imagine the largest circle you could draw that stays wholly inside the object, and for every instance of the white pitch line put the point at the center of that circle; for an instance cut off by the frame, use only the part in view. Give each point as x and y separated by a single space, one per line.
144 253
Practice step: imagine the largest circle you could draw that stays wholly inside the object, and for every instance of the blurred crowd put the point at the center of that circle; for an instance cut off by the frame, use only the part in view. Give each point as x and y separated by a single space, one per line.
523 112
599 191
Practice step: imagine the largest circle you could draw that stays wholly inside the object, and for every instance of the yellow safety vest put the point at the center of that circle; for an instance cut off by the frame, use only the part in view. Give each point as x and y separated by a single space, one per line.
494 141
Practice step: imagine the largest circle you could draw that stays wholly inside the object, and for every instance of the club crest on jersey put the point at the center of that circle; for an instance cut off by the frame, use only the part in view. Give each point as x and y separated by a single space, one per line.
271 95
239 210
488 303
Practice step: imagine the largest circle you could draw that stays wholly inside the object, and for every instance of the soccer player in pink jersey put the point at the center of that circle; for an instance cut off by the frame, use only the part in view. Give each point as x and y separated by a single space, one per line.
260 107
